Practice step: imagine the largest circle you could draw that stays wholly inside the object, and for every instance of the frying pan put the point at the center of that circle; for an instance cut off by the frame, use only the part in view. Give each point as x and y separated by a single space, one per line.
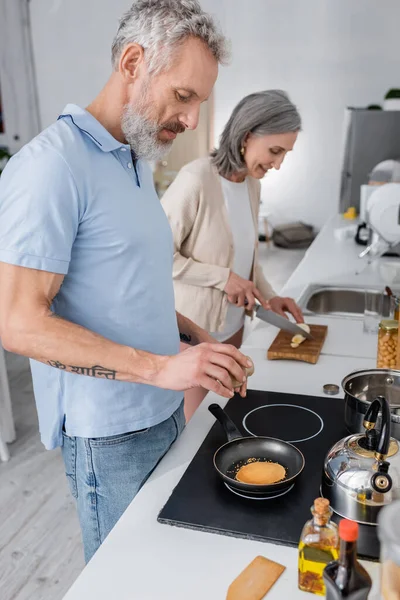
237 451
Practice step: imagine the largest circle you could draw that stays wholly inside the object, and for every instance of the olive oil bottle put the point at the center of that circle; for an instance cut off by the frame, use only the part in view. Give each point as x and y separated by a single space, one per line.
318 546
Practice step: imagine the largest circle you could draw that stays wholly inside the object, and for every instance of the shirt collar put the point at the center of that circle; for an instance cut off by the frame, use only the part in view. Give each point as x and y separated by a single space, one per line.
91 127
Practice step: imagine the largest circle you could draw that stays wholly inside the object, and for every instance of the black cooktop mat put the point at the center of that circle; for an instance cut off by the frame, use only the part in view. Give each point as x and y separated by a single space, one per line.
202 501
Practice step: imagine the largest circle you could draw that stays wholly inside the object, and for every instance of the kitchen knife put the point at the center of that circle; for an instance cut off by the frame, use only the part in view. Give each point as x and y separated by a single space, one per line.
269 316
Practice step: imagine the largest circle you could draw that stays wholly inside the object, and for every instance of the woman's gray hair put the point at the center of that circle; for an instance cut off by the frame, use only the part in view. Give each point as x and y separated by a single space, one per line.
263 113
161 26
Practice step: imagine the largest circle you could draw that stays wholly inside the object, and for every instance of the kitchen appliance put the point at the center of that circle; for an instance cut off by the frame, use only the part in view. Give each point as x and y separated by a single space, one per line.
204 502
308 351
271 317
362 472
238 450
385 172
362 387
370 137
382 221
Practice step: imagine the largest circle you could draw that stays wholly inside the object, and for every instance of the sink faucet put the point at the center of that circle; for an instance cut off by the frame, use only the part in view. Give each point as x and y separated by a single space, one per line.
376 249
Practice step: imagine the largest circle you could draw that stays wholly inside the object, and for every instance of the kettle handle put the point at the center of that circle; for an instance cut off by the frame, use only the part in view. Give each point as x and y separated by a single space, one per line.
380 404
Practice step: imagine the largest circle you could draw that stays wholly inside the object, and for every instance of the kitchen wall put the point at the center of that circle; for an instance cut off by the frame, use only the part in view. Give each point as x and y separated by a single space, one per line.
326 54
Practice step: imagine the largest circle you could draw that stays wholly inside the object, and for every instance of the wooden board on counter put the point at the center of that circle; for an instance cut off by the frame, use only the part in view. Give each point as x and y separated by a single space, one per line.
308 351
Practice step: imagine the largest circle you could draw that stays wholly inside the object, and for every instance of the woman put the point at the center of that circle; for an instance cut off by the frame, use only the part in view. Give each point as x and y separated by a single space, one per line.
213 207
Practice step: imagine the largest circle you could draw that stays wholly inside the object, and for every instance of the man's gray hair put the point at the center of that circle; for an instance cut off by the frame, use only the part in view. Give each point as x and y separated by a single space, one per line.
263 113
161 26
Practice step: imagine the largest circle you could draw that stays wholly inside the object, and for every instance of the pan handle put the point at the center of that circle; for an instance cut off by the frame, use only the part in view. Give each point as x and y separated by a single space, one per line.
232 432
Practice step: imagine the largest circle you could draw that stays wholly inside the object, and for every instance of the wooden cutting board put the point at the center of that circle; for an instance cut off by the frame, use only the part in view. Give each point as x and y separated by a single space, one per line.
308 351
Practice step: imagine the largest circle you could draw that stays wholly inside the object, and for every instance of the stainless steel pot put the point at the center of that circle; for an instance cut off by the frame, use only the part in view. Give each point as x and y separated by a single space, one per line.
362 387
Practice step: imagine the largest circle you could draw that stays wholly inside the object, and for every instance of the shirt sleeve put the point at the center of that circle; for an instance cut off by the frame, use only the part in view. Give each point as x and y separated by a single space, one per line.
39 211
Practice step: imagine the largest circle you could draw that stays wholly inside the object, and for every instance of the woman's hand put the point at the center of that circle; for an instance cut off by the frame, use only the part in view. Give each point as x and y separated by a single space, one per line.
242 292
283 305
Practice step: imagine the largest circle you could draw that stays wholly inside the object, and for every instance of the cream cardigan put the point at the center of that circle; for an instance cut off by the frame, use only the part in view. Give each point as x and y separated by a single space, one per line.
203 244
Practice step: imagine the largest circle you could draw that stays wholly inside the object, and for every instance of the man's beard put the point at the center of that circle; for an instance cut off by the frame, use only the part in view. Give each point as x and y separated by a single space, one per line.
142 132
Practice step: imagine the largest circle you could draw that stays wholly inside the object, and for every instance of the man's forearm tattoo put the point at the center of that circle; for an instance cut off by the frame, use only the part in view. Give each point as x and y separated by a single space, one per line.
185 337
56 364
95 371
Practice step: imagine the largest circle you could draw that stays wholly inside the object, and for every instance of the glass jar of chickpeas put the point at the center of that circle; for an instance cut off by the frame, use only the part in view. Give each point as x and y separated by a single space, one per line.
387 344
396 307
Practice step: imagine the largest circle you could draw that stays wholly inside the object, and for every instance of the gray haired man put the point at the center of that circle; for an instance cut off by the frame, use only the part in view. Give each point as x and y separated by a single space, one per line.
86 266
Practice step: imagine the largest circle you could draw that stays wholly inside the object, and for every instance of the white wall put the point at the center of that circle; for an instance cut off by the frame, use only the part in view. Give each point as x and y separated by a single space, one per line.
72 47
326 53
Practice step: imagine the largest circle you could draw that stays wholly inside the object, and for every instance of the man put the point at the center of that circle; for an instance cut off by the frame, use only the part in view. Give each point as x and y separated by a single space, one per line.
86 266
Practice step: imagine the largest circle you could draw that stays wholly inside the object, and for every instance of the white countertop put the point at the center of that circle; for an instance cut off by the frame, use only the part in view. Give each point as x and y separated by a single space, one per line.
142 559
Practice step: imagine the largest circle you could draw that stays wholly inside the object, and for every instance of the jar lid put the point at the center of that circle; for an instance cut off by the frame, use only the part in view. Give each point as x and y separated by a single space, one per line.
331 389
389 324
389 530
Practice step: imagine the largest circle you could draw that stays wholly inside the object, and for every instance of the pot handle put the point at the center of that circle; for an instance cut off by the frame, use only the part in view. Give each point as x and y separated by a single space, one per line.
380 403
232 432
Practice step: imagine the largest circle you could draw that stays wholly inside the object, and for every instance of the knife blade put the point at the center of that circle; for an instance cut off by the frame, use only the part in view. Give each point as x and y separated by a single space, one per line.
269 316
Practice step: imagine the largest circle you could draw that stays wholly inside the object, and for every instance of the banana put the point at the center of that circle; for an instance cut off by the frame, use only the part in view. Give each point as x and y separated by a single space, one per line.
298 338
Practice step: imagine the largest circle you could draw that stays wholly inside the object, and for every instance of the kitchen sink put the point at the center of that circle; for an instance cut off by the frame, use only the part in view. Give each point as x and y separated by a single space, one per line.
337 301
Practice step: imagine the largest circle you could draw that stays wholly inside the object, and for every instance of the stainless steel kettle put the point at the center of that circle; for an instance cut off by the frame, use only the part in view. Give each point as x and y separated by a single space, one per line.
362 472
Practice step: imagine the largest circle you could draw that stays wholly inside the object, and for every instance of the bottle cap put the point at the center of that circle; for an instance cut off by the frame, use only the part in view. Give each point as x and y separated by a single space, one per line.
348 530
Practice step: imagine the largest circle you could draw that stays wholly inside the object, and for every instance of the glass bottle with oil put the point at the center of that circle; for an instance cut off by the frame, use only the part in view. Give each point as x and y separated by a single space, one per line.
318 546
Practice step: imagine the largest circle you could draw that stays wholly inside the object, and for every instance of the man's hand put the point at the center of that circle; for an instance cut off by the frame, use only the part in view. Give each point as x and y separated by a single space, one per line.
284 305
210 366
242 292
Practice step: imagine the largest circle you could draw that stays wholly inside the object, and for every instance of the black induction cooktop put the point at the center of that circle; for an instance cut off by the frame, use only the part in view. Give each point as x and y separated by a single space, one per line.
202 501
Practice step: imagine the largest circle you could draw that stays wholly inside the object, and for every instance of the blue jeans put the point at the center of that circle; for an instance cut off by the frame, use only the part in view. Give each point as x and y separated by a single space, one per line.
105 474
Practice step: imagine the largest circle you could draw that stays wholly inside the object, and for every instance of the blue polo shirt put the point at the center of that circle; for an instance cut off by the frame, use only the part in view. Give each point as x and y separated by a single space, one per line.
74 202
